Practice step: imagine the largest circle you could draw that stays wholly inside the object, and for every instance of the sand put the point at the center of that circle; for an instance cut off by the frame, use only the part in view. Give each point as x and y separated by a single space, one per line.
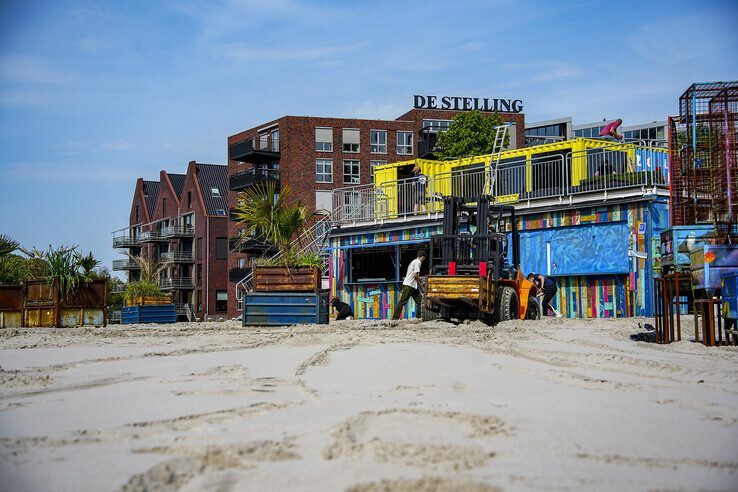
359 405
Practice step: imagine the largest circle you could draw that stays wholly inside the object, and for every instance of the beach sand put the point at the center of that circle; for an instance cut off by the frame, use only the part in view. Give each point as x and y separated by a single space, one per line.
366 405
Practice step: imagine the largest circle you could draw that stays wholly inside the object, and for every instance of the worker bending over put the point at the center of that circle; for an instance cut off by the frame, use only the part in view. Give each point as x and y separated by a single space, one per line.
343 310
411 287
548 288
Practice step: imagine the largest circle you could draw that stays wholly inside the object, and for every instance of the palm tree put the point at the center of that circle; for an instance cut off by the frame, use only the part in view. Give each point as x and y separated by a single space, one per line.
87 263
264 212
150 269
7 245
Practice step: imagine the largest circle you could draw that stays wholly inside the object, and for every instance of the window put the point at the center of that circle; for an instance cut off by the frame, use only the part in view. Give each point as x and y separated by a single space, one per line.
435 126
350 140
164 206
189 199
275 141
373 264
242 263
404 142
221 248
220 211
199 301
221 300
323 201
373 164
215 192
199 274
378 141
351 172
199 248
324 139
324 171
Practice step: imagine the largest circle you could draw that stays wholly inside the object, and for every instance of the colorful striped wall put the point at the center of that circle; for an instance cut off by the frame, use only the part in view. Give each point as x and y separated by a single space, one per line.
627 292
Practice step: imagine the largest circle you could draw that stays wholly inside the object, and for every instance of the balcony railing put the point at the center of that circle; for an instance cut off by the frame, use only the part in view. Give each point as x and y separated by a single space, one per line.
174 231
257 150
178 256
151 237
114 316
244 179
118 288
182 309
177 283
552 176
125 264
126 241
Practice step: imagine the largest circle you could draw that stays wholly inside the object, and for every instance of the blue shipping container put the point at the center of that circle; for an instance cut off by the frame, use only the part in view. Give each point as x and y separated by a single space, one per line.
730 296
154 313
284 308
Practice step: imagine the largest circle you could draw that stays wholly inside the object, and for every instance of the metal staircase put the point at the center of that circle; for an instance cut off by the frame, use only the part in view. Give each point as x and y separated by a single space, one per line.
501 132
312 240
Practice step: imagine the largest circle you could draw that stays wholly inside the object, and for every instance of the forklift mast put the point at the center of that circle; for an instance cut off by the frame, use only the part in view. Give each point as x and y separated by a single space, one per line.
467 247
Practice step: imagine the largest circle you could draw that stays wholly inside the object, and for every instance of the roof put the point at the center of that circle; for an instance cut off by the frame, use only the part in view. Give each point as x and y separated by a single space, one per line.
213 176
177 181
151 194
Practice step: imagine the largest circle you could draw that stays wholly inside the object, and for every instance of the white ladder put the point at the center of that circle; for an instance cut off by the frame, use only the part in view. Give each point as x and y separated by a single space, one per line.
501 132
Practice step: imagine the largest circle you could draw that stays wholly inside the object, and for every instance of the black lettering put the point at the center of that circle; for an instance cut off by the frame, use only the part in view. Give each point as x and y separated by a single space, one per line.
517 105
456 103
476 104
419 102
497 104
432 102
486 105
467 103
505 103
445 102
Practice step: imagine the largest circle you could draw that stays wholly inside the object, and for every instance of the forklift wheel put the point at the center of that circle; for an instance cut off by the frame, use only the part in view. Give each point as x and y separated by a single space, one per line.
428 315
507 305
534 310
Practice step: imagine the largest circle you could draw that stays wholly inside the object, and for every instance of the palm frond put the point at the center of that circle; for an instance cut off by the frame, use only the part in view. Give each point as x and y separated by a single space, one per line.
7 245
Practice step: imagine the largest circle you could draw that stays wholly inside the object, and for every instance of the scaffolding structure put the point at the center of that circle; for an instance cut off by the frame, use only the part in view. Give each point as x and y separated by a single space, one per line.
702 145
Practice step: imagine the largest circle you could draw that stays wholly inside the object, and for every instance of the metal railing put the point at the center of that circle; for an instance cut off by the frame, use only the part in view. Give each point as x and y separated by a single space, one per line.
244 179
150 236
567 174
177 231
125 264
118 288
177 283
115 316
178 256
126 241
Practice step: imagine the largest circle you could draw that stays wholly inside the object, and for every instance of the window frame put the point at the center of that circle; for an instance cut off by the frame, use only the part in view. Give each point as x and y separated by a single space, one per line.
374 163
378 145
404 146
353 176
343 144
317 174
329 144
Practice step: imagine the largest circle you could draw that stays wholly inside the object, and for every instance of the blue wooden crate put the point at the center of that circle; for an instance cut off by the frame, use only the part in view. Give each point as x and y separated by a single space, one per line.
284 308
154 313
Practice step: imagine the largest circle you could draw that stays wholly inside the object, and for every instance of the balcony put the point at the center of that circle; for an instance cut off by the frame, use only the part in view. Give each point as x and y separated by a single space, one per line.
176 231
178 257
126 241
125 264
118 287
244 179
183 309
152 237
250 245
177 283
259 150
238 274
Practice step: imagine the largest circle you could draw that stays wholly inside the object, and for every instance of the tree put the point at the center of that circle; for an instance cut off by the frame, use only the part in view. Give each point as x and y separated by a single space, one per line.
13 270
470 134
263 211
7 245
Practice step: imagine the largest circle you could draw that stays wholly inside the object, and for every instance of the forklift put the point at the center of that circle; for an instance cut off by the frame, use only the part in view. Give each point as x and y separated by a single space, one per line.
470 274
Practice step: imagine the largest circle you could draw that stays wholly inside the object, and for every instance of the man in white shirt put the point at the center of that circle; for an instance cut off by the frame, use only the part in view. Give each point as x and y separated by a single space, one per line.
411 287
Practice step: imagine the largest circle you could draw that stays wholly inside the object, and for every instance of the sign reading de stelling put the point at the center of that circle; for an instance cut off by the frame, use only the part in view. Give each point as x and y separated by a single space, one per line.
468 104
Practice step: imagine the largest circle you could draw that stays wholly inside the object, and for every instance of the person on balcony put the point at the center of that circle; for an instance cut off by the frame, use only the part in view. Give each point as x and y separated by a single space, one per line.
343 310
411 287
420 189
610 130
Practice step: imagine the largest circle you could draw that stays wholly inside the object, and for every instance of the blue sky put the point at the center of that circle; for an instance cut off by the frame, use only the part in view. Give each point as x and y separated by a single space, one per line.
96 94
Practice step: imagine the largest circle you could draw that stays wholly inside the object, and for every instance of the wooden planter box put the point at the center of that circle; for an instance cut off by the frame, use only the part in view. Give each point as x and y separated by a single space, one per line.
44 305
150 301
283 279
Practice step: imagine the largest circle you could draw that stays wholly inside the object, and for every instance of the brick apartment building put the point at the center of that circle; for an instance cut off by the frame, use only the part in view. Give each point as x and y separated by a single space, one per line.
315 155
182 221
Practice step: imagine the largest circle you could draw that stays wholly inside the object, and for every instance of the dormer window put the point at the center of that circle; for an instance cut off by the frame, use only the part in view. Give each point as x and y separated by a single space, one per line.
215 191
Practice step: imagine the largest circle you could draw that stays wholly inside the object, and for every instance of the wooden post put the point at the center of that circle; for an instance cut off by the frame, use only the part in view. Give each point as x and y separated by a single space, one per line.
678 310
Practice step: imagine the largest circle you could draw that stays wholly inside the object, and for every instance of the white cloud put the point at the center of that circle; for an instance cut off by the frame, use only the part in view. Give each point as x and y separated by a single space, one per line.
245 52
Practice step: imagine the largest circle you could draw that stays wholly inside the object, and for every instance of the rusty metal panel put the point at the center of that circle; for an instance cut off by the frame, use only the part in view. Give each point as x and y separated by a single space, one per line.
281 279
91 294
39 293
11 297
11 319
71 317
38 317
454 287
